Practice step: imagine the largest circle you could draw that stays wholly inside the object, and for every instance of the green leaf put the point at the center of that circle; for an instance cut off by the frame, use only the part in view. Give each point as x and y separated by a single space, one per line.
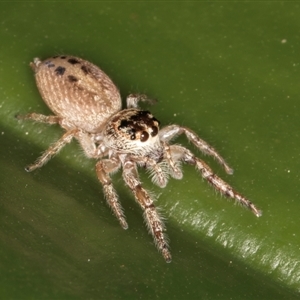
228 71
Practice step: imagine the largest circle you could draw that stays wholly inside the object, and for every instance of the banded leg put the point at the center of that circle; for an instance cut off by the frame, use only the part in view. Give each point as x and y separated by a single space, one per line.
170 132
153 220
52 150
224 188
103 169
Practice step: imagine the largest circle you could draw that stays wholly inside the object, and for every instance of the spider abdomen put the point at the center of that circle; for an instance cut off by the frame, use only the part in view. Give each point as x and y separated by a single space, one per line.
77 91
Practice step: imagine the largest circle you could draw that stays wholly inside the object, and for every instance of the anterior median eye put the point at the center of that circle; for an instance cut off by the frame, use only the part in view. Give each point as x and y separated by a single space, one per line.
144 136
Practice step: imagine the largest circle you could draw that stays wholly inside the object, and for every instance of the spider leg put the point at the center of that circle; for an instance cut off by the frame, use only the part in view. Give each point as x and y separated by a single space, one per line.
84 139
52 150
169 132
179 152
153 220
133 99
158 171
89 146
40 118
174 164
103 169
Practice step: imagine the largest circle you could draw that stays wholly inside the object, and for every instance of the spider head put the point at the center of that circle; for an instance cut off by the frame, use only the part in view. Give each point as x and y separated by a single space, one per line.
132 131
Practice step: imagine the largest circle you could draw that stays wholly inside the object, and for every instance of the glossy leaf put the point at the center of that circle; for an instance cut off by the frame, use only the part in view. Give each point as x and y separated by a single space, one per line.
228 71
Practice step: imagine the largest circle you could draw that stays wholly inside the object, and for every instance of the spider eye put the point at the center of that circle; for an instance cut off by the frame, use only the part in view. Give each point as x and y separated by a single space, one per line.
132 137
154 131
144 136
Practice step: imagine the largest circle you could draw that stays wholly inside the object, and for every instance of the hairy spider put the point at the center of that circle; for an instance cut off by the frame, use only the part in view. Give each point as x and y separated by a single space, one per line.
87 105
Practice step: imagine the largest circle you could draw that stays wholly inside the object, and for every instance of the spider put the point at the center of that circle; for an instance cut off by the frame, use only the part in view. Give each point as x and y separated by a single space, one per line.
87 104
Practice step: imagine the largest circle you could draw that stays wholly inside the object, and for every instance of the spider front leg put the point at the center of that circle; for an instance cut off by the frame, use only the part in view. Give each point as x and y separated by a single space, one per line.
153 220
179 152
104 168
169 132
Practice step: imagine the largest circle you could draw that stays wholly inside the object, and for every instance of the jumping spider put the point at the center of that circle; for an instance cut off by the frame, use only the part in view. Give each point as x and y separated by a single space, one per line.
87 104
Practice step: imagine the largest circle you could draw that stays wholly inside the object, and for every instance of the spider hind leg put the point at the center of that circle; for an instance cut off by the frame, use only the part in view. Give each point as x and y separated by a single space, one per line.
179 152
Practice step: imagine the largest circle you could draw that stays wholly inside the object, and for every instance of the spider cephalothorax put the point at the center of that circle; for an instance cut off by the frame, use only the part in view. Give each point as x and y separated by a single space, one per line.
132 131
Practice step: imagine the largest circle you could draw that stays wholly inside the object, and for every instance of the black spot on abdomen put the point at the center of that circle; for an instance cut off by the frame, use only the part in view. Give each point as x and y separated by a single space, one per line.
73 61
85 70
49 64
60 70
72 78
